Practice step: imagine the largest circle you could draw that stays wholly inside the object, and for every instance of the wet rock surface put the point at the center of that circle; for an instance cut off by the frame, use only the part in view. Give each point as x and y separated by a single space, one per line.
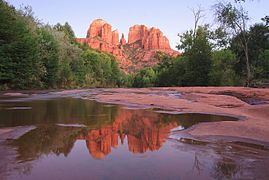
70 131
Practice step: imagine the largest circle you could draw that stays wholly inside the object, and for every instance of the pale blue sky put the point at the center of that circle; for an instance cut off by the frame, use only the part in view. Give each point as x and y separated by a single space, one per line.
171 16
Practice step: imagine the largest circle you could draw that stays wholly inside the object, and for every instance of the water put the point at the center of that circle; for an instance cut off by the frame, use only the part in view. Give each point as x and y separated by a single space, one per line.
72 138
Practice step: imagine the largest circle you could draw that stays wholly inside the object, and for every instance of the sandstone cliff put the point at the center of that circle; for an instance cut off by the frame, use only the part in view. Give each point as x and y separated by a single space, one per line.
122 40
149 39
139 52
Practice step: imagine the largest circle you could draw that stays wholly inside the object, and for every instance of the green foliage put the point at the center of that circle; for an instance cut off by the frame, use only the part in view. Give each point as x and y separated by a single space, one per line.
262 68
19 66
234 20
67 30
199 64
33 55
164 76
198 52
222 72
266 20
101 70
145 78
49 57
258 43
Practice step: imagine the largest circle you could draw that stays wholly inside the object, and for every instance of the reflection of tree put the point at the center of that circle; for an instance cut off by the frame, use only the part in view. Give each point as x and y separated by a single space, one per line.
225 168
144 130
45 140
141 130
197 164
222 166
60 110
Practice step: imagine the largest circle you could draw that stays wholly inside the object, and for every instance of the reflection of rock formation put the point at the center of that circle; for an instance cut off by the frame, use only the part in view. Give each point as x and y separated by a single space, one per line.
99 142
142 130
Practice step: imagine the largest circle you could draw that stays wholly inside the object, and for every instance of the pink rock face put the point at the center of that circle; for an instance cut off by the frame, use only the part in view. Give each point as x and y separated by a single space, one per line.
95 28
136 33
143 44
122 40
100 28
106 33
149 39
156 40
115 37
100 36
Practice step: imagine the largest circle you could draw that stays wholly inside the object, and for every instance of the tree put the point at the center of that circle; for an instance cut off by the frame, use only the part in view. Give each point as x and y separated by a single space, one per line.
262 71
234 19
178 71
198 52
19 66
49 56
266 20
258 44
223 72
145 78
163 70
67 30
34 55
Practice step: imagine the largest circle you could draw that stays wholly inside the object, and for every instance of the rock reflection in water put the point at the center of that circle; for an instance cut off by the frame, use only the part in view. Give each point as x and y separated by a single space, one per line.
87 139
144 131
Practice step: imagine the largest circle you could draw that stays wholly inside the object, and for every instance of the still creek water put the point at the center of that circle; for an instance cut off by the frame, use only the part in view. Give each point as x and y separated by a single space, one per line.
72 138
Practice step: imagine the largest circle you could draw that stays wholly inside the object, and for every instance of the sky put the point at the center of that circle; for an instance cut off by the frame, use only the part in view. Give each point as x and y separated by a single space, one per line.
170 16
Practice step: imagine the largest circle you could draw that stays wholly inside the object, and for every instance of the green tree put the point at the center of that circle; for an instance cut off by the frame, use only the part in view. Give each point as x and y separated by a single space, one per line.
234 19
223 72
101 69
197 49
145 78
262 68
258 42
49 56
19 66
178 71
67 30
259 46
163 70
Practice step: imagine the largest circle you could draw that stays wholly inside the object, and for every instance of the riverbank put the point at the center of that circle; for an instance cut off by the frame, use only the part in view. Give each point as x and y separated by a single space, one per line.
250 105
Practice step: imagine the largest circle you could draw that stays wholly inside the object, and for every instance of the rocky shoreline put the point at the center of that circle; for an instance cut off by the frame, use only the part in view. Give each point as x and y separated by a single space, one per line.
249 105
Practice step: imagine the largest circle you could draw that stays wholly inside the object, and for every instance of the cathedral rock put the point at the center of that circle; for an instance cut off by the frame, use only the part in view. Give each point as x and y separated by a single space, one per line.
140 50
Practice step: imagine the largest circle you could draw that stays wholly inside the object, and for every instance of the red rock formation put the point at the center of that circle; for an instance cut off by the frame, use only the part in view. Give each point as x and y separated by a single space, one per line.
156 40
122 40
115 37
143 43
136 33
149 39
95 28
100 36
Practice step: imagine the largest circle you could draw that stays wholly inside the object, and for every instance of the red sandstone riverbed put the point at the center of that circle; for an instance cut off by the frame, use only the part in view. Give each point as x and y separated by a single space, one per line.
229 149
251 105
